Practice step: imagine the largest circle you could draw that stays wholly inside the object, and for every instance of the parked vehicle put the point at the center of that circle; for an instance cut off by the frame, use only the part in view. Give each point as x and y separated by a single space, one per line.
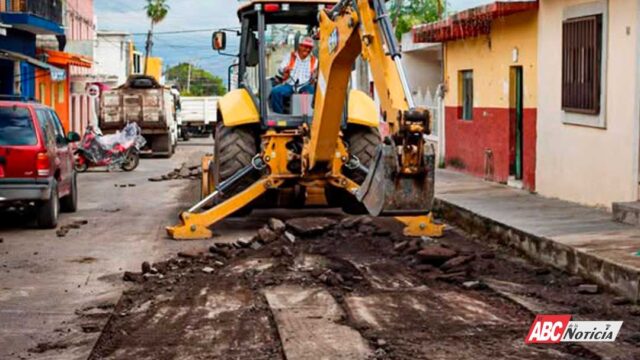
36 162
119 150
144 101
198 115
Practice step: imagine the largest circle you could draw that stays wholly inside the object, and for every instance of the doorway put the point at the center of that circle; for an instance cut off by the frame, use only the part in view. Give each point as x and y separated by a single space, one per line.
515 114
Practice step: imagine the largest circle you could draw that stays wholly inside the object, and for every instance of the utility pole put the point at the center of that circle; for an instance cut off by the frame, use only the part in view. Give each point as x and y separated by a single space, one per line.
189 79
147 50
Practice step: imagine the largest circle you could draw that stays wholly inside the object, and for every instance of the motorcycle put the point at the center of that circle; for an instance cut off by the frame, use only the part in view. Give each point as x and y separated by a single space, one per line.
119 150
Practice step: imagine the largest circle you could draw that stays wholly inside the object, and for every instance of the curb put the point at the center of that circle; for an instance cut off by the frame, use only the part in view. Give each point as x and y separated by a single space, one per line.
619 278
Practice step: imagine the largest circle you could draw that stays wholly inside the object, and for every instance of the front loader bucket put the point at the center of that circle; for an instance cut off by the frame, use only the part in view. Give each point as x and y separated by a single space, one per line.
388 192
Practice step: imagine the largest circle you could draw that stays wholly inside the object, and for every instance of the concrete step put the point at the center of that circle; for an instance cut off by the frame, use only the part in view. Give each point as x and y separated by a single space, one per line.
627 212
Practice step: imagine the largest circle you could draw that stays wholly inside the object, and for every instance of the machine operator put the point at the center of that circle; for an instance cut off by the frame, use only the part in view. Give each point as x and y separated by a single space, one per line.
296 73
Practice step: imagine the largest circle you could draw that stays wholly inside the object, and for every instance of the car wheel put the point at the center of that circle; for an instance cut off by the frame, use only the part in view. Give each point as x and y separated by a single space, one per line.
69 203
48 211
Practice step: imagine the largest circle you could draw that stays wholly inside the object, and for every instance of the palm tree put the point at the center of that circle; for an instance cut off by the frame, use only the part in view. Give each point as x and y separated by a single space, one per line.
157 10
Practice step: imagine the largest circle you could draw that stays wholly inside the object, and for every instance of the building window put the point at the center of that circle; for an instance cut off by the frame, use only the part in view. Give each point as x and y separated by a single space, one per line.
466 94
582 64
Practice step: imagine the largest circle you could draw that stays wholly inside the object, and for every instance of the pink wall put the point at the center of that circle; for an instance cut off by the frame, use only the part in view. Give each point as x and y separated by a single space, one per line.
80 25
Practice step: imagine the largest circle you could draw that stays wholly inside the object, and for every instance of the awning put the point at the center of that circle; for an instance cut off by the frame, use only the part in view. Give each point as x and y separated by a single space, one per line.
57 74
65 58
469 23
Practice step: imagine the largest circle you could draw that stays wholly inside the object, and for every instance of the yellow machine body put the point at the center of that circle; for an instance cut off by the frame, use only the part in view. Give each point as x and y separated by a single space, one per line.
237 108
396 179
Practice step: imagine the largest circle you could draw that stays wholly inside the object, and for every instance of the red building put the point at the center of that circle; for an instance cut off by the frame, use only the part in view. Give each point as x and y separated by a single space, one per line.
490 56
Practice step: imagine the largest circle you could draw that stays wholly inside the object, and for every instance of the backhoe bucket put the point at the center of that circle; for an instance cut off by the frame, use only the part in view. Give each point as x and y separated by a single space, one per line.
388 192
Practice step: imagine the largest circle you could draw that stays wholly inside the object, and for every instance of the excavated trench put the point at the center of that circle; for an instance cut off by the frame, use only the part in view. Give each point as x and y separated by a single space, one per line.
352 288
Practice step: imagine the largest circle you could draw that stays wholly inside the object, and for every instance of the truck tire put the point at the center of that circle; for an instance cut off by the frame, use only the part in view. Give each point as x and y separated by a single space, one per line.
69 203
234 148
362 142
48 211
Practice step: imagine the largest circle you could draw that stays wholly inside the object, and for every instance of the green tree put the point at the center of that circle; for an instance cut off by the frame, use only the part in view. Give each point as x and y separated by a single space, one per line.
156 10
202 82
406 14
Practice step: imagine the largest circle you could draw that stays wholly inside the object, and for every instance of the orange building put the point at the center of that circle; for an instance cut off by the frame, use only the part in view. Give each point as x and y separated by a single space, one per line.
56 93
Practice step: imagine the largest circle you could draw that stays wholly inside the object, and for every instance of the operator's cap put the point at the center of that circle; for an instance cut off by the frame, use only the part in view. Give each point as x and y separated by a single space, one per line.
307 41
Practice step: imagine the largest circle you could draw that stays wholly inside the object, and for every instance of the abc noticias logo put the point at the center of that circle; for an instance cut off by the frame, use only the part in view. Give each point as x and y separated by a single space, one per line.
554 329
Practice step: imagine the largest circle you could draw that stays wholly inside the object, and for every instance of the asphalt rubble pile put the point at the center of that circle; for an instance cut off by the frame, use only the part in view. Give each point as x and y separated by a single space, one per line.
185 171
284 240
278 254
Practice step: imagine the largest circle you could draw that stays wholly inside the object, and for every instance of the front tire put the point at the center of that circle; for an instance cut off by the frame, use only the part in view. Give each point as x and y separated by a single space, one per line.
234 148
48 211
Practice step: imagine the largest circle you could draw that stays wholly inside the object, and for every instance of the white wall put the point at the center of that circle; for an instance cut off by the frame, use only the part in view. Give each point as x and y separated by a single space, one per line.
111 56
586 164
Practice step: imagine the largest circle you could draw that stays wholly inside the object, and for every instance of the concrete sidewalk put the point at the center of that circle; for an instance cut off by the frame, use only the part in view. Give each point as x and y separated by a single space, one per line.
579 239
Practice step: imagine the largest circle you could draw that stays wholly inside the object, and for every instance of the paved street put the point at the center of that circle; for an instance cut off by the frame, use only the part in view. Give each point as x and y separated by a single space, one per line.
46 278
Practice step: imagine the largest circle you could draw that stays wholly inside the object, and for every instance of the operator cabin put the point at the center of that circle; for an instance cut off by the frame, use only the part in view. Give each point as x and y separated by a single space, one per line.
296 75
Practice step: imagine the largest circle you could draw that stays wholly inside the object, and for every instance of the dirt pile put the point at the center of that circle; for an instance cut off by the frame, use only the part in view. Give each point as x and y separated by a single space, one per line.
406 298
63 230
189 172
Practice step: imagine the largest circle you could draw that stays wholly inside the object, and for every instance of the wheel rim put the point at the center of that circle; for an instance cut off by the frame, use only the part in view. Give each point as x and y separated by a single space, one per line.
129 161
56 205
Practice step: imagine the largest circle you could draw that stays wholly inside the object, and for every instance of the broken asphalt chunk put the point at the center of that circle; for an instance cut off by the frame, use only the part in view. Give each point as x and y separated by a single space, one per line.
290 237
310 225
277 225
456 261
266 235
435 255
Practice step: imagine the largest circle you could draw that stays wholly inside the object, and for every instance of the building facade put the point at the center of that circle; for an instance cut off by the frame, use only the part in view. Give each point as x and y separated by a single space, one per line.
112 57
23 21
74 54
589 112
490 75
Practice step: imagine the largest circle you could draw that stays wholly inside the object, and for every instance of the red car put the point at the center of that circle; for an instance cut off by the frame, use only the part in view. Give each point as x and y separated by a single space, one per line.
36 161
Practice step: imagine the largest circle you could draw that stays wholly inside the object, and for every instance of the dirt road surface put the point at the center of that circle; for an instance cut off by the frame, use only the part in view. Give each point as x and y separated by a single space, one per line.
355 290
334 287
46 279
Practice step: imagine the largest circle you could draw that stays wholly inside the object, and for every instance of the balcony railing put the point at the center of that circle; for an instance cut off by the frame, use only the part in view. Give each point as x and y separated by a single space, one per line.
48 9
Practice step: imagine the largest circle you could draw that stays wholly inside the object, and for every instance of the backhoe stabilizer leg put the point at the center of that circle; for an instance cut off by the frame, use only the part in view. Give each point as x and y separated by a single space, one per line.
195 226
422 225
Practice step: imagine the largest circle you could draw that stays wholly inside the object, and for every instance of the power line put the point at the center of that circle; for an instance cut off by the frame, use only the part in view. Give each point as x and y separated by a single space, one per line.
185 31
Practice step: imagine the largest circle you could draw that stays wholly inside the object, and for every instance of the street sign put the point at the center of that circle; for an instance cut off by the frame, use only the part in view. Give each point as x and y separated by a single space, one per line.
93 91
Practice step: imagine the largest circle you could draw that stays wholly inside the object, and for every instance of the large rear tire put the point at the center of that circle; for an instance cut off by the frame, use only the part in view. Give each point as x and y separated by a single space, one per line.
362 142
234 148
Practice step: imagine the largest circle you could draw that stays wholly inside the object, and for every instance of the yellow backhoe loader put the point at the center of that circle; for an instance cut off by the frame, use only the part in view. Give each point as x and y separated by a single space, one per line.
330 153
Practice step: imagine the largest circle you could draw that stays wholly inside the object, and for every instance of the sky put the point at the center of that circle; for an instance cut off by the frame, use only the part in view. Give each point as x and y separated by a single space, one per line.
194 47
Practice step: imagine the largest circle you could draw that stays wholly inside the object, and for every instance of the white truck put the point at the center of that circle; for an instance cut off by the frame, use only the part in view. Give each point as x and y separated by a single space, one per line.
197 116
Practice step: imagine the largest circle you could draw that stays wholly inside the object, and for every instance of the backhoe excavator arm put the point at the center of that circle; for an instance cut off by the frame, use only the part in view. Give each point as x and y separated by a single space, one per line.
401 179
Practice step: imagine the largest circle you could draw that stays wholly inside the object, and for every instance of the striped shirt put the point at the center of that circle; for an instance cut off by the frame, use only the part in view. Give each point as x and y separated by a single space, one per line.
301 71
